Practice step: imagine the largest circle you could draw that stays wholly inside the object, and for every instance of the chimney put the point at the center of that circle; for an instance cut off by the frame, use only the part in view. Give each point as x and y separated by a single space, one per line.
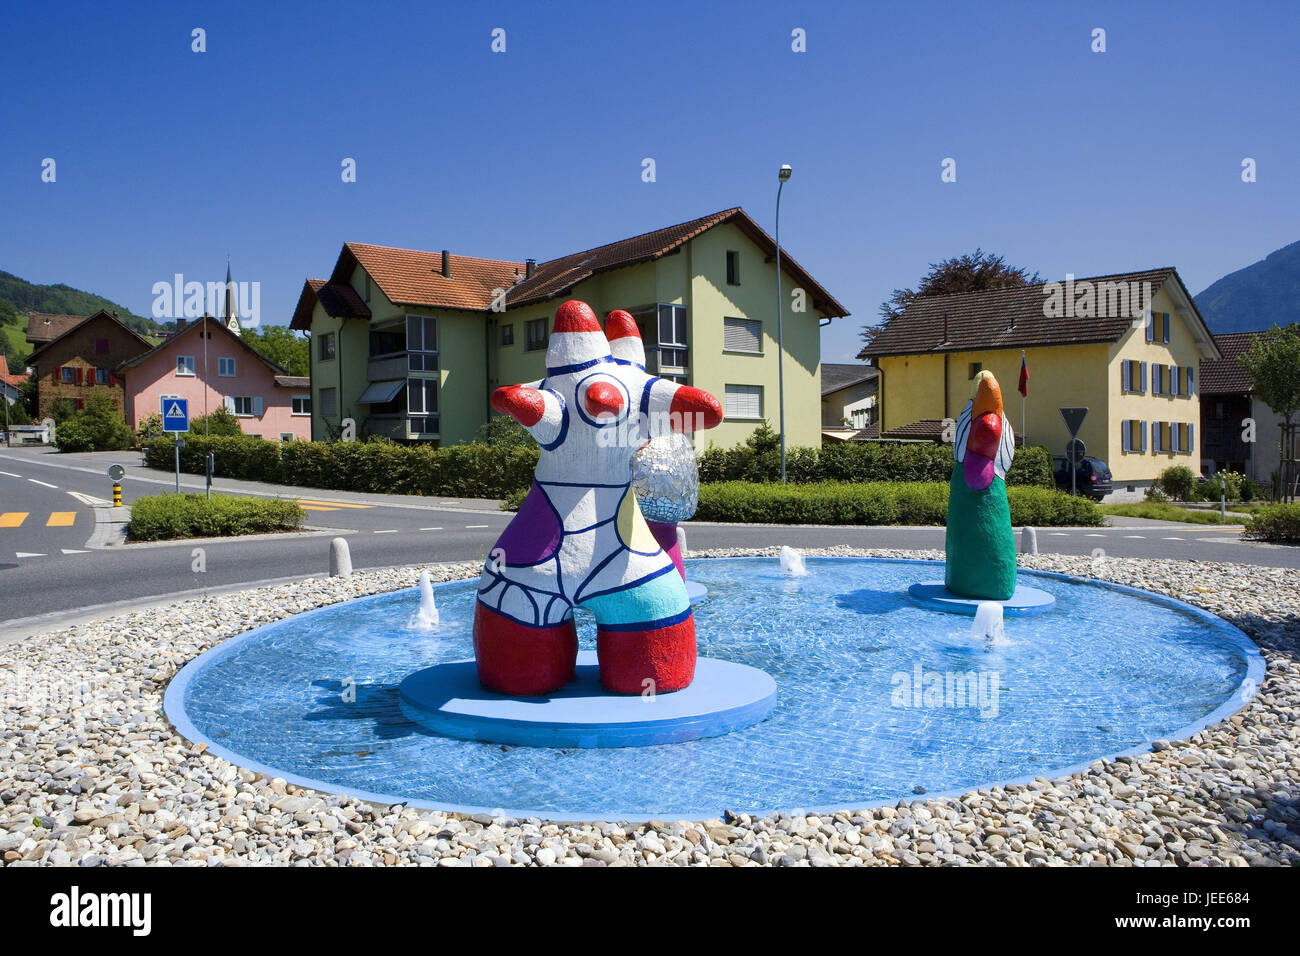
446 264
530 266
180 325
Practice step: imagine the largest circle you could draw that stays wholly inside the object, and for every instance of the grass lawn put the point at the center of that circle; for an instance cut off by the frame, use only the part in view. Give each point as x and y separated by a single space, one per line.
1160 511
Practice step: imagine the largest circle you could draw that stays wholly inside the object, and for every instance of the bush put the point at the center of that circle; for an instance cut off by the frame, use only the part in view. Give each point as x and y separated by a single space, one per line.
220 422
876 503
1278 523
1178 482
1252 490
159 517
1155 495
99 427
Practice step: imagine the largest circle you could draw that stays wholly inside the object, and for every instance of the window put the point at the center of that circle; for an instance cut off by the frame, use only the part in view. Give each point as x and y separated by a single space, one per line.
67 375
1158 327
1133 434
387 341
249 406
185 365
422 343
101 346
742 335
301 405
329 405
744 401
226 367
101 376
1184 437
508 334
1158 378
538 334
286 436
673 352
733 267
422 405
326 347
1160 437
1133 377
973 369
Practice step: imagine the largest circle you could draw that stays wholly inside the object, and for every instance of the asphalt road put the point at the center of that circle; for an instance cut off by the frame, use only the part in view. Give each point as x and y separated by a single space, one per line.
47 572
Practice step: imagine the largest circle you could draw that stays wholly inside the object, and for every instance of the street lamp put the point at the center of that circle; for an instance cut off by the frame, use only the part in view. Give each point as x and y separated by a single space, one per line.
784 176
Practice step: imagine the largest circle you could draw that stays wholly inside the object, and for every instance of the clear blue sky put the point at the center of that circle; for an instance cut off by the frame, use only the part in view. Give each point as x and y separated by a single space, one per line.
1067 160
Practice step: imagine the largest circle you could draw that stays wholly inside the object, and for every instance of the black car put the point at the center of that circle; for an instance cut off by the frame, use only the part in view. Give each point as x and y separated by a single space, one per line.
1092 477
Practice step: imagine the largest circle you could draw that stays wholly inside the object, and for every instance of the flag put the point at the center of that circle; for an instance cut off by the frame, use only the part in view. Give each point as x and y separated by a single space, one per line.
1024 377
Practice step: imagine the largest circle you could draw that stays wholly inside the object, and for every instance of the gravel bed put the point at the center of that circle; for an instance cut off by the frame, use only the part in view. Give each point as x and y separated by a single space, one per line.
92 773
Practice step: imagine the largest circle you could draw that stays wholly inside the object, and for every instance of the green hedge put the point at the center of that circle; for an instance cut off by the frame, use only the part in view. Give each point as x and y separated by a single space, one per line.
858 462
461 471
1277 523
877 503
158 517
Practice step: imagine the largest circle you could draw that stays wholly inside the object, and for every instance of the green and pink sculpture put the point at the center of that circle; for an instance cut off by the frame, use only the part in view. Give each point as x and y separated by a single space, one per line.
981 546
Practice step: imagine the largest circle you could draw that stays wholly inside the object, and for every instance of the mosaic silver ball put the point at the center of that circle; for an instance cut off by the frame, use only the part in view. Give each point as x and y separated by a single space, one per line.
665 479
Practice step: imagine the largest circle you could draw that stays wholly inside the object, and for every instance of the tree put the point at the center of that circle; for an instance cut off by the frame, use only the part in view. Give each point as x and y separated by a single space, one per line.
975 272
281 345
98 427
1273 364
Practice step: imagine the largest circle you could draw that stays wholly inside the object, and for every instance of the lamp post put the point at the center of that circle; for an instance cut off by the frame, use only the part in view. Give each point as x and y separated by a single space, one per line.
784 176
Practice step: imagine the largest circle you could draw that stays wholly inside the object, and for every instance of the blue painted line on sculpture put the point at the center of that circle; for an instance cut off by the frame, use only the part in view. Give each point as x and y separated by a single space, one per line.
578 367
645 396
644 625
613 419
619 361
173 706
564 423
631 584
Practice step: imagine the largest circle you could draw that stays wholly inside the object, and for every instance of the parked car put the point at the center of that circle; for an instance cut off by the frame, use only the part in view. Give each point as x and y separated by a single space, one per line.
1092 477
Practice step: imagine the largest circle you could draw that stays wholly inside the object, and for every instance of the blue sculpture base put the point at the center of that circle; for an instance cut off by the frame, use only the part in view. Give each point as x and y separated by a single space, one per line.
724 696
1024 600
696 592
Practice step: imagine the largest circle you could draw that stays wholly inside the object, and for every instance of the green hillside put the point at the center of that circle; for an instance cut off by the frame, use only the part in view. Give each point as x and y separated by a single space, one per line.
1257 297
18 297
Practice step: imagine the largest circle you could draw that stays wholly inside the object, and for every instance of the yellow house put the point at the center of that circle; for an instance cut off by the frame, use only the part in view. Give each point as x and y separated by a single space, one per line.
1127 347
411 344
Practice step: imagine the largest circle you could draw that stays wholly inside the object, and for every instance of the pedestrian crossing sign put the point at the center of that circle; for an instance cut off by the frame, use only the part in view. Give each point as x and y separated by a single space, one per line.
176 414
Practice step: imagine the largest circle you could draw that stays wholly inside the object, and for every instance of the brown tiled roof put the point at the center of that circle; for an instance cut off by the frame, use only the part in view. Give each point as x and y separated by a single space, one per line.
558 276
213 323
8 377
869 433
1004 319
337 298
293 381
1227 376
45 327
146 345
931 428
836 377
412 277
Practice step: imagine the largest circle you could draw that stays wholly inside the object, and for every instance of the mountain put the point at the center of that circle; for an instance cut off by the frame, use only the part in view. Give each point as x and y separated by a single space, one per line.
1256 297
18 297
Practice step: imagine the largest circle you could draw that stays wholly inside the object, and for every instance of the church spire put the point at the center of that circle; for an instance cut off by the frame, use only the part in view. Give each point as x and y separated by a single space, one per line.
232 311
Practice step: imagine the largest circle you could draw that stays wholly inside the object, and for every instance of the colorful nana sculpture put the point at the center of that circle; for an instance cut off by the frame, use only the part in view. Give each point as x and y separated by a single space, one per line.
981 546
579 538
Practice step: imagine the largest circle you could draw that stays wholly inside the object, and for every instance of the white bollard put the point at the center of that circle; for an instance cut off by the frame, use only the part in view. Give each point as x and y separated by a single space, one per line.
340 558
1028 541
681 540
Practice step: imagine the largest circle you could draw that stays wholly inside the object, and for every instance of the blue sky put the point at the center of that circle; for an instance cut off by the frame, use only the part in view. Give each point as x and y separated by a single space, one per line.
1067 160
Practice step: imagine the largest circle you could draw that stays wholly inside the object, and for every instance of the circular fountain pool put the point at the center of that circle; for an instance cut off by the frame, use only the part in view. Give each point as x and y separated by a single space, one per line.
878 698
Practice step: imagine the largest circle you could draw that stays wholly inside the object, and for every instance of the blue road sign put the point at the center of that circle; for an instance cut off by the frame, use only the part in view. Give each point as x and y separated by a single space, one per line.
176 414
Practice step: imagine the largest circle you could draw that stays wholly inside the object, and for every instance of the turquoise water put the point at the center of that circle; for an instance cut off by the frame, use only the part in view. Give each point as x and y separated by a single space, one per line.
314 697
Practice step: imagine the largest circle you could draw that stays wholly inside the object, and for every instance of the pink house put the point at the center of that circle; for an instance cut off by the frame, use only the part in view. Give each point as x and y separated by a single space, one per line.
212 366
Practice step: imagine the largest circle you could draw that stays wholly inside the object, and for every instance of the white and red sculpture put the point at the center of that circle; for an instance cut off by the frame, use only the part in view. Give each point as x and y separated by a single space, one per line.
579 539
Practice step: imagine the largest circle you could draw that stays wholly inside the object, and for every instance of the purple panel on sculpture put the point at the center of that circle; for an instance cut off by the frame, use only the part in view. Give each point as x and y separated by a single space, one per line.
535 533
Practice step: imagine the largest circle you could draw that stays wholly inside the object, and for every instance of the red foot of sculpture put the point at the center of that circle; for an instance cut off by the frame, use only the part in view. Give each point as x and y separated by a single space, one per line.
665 656
520 660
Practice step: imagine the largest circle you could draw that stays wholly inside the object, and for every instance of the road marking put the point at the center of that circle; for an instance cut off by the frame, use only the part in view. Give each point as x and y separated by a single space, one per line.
1059 534
315 507
12 519
471 527
45 483
61 519
90 499
73 551
330 505
1174 539
10 474
1094 536
27 554
431 529
390 531
448 502
1140 537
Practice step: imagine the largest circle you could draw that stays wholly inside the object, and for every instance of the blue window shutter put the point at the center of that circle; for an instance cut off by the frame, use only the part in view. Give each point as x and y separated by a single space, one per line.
1123 377
1142 378
1126 434
1191 437
1151 326
1166 326
1190 382
1142 430
257 406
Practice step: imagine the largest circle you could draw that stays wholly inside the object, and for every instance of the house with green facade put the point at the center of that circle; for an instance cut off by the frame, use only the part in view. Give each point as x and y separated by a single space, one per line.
411 344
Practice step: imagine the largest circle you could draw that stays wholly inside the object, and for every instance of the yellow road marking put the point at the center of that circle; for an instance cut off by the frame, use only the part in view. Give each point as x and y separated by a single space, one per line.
61 519
329 505
316 508
12 519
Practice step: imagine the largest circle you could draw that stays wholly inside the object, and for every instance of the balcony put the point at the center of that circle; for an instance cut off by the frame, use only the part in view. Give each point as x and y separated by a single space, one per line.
383 367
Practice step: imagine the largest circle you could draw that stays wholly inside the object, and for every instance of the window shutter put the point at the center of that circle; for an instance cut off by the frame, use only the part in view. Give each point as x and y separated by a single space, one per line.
1165 325
1142 430
741 335
78 374
1155 437
1123 377
112 378
257 406
1142 378
1151 326
1126 434
1190 383
1191 437
229 402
